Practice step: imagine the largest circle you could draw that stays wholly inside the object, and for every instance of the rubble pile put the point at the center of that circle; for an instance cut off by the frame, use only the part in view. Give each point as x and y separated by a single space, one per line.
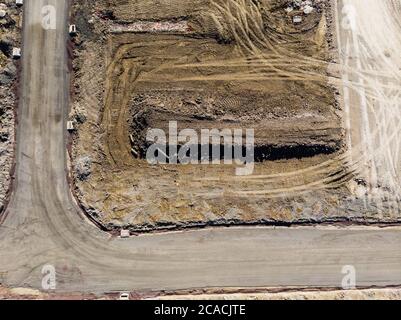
83 168
298 8
305 6
10 18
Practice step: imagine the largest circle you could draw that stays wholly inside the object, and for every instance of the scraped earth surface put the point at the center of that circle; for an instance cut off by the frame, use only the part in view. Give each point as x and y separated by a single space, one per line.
220 64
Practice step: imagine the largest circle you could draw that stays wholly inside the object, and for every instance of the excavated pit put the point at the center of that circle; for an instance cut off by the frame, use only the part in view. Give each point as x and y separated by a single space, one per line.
226 113
218 147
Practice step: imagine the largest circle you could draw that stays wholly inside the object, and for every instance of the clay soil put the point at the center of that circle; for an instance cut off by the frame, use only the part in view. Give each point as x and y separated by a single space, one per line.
208 64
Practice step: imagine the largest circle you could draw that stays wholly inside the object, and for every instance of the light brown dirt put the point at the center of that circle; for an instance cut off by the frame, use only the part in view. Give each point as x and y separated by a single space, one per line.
368 294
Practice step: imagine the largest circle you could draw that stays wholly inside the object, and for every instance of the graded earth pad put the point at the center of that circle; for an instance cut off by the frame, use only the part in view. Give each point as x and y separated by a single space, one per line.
224 64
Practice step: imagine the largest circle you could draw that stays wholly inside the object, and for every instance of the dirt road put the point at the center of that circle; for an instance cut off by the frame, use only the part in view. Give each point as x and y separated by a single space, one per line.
43 225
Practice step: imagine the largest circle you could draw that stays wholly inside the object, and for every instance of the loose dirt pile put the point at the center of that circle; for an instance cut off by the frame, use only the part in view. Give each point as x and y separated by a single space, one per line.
10 17
223 64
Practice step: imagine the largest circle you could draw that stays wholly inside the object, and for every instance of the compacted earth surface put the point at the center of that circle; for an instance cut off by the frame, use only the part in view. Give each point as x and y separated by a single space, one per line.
215 65
10 21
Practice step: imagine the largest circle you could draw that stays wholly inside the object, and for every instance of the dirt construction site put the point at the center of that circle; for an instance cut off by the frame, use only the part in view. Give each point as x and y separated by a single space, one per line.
265 65
243 149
